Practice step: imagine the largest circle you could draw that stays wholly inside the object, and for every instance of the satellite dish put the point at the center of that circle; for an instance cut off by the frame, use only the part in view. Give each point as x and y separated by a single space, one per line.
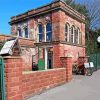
98 39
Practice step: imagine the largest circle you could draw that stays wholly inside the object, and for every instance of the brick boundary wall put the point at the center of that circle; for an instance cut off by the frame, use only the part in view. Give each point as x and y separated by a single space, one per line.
36 82
22 84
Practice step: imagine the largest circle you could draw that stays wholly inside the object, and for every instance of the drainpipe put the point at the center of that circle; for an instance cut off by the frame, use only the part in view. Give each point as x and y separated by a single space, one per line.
46 57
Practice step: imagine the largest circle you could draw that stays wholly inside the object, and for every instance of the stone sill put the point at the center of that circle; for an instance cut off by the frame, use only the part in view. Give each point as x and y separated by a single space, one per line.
11 57
31 72
72 44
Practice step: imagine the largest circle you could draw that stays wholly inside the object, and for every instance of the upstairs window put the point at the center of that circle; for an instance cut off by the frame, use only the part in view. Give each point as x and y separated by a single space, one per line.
48 31
26 32
77 36
73 31
19 32
67 32
40 33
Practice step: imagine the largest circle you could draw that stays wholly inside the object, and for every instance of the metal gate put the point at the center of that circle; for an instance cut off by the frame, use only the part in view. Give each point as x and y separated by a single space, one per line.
2 83
95 58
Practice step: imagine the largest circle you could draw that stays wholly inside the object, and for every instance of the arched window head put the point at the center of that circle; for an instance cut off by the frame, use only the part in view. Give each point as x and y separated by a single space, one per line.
67 32
72 34
48 31
40 32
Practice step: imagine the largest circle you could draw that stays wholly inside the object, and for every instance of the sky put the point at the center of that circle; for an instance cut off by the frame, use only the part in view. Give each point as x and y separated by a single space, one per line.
10 8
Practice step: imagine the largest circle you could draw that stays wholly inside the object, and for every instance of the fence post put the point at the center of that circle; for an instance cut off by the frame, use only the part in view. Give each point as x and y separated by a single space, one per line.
2 79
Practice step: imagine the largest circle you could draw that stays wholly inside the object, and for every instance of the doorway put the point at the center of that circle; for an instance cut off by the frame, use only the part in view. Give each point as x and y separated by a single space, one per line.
50 58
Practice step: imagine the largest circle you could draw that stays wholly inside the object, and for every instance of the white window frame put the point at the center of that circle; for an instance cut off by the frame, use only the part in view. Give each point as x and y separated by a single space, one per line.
48 31
67 33
18 32
78 32
27 33
40 33
73 41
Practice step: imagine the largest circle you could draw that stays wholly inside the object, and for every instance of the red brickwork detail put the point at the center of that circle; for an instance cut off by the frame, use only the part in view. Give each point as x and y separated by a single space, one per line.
20 85
56 56
22 41
13 77
67 63
39 81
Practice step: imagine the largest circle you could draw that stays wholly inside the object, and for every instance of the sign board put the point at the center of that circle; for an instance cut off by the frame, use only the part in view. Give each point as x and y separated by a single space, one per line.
86 65
98 39
7 48
91 64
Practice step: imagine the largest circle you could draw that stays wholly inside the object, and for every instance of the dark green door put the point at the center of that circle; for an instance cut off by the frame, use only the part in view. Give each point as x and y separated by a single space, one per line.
2 84
41 64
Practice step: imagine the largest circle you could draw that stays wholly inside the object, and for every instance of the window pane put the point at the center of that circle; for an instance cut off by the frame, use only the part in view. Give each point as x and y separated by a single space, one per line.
66 33
72 33
66 28
40 34
48 32
48 27
76 36
49 36
19 32
40 37
26 32
40 28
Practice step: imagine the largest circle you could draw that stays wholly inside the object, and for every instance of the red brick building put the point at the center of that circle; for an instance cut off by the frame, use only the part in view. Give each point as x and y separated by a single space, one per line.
57 30
52 36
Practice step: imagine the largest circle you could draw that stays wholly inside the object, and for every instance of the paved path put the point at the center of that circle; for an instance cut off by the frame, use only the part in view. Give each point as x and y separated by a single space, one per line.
80 88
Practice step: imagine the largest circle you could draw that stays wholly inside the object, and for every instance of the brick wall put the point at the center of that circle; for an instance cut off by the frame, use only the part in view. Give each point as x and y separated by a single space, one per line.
64 50
58 19
22 84
38 81
66 62
22 41
71 50
13 77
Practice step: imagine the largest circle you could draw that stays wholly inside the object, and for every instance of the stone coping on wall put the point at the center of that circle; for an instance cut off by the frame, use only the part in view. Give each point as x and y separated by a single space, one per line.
31 72
11 57
73 44
22 41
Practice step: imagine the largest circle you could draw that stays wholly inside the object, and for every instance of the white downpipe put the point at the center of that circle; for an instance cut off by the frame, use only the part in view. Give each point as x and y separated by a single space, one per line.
45 33
46 57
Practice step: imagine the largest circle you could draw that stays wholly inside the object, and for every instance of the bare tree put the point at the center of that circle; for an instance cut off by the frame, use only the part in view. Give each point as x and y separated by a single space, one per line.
93 7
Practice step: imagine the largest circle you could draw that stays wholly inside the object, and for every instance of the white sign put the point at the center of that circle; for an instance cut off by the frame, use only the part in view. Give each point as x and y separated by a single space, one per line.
91 64
98 39
7 48
86 65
